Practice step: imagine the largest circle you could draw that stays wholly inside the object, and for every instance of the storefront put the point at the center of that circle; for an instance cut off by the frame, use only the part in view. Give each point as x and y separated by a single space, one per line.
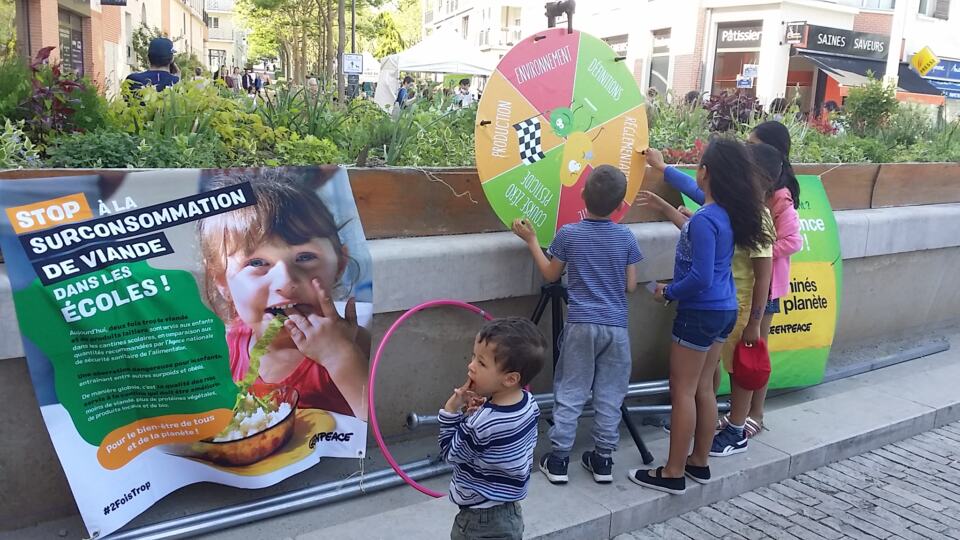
825 63
737 48
945 77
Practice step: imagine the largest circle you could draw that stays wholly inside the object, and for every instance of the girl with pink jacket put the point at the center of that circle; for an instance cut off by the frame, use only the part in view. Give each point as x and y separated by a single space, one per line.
783 199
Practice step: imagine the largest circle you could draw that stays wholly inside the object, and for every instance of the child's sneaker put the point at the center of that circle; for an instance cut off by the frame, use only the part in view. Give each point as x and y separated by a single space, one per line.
600 466
653 479
554 468
728 442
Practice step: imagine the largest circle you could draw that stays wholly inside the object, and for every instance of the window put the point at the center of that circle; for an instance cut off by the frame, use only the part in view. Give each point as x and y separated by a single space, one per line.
71 41
939 9
869 4
660 61
214 22
465 27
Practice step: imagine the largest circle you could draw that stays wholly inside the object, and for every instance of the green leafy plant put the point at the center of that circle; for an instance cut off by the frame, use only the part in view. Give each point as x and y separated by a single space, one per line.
307 150
15 77
108 148
16 149
870 106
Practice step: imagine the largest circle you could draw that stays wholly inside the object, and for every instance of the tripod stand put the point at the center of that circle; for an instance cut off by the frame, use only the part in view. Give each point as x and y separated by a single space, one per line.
555 294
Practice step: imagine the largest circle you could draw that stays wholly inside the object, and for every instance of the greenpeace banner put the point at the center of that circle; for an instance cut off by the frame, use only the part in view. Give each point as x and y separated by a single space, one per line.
802 333
187 326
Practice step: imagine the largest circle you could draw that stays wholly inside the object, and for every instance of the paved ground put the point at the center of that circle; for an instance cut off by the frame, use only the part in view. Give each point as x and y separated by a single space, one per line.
909 490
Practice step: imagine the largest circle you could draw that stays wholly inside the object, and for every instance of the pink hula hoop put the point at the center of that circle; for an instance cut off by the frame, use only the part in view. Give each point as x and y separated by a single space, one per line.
371 401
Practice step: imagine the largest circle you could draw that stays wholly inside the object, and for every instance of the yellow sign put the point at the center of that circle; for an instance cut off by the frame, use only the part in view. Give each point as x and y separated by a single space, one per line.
924 60
808 313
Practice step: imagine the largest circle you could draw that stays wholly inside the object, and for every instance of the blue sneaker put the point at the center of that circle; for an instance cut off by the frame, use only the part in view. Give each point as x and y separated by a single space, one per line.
601 467
554 468
728 442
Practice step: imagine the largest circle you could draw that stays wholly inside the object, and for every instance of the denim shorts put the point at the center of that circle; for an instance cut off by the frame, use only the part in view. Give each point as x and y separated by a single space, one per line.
699 329
773 306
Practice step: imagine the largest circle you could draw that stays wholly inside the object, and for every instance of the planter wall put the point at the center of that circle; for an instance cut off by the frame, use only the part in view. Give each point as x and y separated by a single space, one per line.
407 202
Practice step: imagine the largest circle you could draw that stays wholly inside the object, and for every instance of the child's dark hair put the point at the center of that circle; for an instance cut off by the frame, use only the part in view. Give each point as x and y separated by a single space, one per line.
286 209
769 161
518 346
778 136
606 187
407 79
734 186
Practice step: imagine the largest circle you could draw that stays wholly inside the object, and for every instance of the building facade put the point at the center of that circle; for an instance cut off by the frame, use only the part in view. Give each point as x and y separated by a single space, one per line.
96 40
226 38
710 46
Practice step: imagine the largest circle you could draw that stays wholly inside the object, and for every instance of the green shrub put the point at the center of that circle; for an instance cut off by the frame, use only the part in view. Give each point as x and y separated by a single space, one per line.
16 149
308 150
869 107
909 124
14 85
107 148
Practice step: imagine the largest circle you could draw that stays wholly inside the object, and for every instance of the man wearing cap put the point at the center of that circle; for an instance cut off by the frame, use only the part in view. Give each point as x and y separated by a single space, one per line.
160 53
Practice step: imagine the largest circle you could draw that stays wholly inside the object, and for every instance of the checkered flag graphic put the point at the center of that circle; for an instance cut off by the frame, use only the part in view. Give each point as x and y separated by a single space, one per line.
528 135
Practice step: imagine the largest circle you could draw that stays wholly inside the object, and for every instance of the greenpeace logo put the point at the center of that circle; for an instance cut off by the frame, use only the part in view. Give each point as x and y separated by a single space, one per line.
329 436
736 36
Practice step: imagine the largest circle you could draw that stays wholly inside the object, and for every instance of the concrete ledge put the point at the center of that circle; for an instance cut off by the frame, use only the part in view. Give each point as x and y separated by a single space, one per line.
412 270
807 429
493 266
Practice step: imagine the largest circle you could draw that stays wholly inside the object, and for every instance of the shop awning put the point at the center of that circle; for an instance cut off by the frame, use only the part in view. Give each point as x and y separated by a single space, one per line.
853 72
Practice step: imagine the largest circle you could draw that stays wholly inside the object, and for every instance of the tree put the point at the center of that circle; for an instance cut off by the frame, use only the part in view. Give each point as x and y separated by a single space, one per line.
8 28
341 40
388 38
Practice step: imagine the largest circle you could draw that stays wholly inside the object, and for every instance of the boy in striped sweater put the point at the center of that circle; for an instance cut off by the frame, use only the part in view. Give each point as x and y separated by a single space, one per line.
488 429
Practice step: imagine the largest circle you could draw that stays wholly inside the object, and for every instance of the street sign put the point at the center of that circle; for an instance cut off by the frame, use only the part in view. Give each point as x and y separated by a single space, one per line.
353 78
750 70
352 63
744 82
795 32
924 60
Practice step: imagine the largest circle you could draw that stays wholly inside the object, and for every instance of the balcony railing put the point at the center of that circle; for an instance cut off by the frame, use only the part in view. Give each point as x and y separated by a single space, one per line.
219 5
223 34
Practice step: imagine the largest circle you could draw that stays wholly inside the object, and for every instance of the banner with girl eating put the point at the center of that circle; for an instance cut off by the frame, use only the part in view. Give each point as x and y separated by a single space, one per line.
186 326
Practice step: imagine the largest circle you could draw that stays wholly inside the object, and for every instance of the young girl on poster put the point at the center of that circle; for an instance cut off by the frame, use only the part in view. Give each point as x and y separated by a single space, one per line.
704 289
284 256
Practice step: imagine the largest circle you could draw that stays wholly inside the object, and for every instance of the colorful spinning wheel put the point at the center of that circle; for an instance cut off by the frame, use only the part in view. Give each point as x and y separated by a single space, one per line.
558 105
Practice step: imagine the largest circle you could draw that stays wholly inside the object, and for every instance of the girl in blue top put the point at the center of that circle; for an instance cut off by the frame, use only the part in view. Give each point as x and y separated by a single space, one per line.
706 304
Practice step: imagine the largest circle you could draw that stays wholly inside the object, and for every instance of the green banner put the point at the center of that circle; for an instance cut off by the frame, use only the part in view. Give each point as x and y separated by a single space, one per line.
802 333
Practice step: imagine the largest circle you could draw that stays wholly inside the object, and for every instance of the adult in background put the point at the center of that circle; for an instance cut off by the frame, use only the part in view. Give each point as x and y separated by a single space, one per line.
248 81
163 71
463 98
233 79
405 94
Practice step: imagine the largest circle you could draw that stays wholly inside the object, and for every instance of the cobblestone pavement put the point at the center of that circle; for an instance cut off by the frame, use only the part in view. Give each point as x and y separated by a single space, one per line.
905 490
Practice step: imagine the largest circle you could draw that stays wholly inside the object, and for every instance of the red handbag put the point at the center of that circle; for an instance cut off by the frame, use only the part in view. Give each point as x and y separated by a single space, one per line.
751 365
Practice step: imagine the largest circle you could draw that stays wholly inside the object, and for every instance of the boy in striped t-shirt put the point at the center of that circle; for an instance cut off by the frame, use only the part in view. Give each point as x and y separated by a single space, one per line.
600 257
490 444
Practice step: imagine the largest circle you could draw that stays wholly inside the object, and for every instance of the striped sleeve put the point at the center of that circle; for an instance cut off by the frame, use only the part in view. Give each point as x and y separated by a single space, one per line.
492 452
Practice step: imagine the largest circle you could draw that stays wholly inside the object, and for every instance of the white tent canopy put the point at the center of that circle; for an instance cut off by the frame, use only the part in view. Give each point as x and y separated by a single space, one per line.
440 52
445 52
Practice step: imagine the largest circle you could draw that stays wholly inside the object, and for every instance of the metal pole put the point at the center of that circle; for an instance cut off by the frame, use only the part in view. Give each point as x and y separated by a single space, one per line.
241 514
353 26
